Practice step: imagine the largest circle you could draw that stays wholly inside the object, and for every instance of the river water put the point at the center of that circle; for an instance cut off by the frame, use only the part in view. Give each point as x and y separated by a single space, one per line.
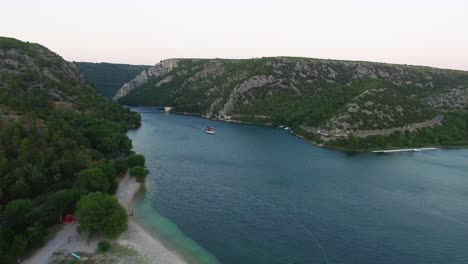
257 195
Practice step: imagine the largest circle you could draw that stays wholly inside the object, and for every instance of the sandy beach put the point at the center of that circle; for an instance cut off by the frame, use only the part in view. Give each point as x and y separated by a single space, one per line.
135 236
67 239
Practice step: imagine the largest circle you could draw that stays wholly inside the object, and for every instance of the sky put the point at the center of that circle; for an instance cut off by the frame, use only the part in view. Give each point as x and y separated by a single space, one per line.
429 32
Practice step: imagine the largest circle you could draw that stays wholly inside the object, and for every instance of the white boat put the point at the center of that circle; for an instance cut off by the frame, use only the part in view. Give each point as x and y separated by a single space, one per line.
286 128
403 150
209 130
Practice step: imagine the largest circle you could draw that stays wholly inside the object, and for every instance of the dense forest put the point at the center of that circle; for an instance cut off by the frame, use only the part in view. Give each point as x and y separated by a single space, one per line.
59 141
107 78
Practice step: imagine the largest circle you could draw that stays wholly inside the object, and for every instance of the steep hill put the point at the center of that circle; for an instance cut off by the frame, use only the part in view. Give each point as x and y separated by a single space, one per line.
340 97
53 128
107 78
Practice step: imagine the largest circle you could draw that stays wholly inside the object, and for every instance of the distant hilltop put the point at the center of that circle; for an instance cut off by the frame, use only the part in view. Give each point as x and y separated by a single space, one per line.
224 88
335 94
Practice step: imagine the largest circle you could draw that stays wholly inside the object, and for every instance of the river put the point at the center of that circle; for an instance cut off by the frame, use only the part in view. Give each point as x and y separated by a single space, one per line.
257 195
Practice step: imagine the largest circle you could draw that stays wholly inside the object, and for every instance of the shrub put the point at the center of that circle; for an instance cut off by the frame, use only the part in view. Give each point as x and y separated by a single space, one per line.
139 172
35 235
104 246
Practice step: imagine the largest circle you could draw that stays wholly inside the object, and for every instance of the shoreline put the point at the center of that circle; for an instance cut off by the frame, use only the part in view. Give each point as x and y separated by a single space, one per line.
372 150
343 149
136 236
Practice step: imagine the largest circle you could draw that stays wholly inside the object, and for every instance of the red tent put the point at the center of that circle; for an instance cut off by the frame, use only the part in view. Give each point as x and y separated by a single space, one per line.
68 219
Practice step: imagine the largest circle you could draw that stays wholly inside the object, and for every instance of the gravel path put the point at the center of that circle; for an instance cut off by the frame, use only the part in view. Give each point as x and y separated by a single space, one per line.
42 255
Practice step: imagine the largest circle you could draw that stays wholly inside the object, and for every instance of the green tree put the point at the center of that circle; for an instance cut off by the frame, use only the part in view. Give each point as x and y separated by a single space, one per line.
135 160
63 202
35 235
100 213
17 213
108 145
125 144
92 180
3 162
109 170
38 181
121 166
20 189
18 247
139 172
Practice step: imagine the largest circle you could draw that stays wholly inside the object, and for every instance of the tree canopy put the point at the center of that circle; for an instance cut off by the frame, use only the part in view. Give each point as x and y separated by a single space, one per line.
135 160
93 180
99 213
17 213
139 172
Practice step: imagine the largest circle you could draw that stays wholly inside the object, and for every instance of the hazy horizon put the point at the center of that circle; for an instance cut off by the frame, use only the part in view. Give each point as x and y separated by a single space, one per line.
426 33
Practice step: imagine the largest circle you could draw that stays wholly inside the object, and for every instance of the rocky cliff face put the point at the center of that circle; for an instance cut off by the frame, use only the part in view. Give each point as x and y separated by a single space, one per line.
343 95
48 65
34 67
157 70
237 93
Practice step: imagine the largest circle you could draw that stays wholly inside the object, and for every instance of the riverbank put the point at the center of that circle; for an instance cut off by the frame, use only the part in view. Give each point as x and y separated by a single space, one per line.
342 148
135 236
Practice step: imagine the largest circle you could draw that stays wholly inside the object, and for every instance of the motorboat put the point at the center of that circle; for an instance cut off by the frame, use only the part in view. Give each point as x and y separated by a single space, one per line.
209 130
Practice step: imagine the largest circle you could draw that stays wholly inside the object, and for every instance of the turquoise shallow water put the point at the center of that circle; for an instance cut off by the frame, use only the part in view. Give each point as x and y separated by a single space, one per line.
258 195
